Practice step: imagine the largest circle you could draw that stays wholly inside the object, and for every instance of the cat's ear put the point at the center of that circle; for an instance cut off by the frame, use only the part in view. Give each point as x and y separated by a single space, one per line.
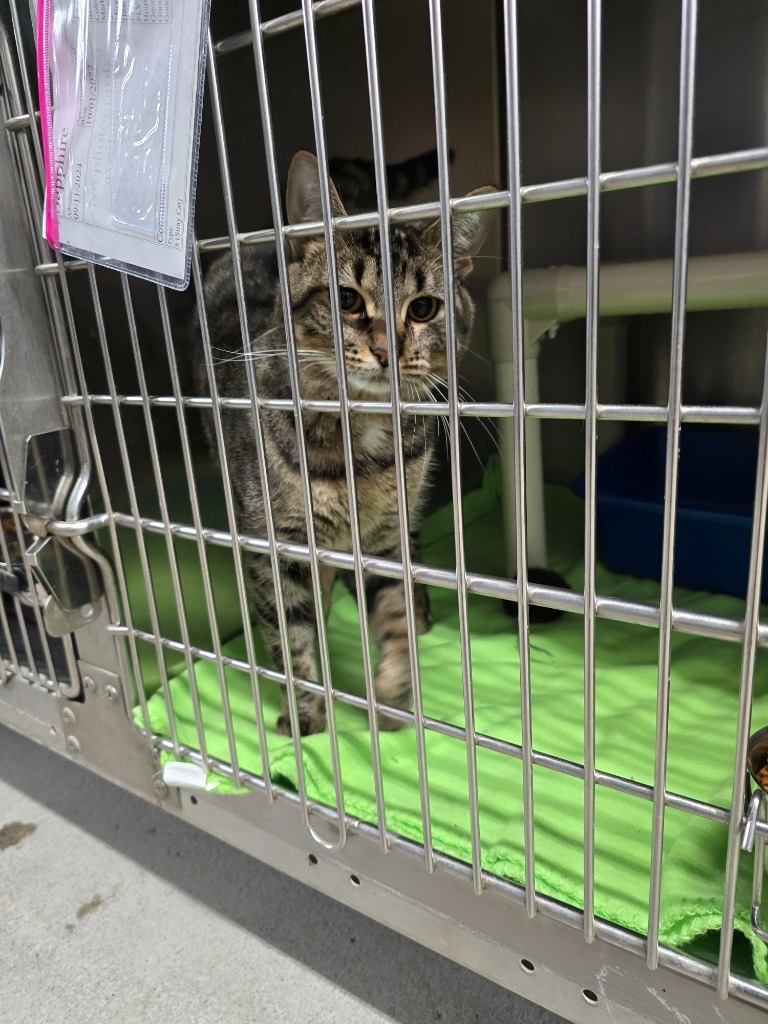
469 232
302 196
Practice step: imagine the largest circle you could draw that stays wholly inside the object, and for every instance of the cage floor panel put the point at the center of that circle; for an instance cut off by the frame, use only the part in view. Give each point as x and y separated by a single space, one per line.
703 713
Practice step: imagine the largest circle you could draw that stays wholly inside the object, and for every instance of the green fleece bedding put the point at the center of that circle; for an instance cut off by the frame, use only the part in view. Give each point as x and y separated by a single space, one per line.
704 700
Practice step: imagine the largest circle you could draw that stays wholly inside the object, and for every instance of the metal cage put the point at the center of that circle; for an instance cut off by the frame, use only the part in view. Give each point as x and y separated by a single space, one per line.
630 143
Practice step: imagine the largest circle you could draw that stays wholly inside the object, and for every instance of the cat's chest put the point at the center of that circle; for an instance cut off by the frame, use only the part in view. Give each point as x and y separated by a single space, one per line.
372 438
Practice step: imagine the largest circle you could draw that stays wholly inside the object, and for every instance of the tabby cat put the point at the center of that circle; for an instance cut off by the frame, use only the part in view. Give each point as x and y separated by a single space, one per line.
418 284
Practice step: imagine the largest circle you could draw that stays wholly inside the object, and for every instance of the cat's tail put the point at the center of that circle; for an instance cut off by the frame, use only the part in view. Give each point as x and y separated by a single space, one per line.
355 178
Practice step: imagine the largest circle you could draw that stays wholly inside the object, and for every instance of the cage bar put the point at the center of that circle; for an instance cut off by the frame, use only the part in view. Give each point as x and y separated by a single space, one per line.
679 288
594 87
310 37
522 586
369 25
293 367
443 164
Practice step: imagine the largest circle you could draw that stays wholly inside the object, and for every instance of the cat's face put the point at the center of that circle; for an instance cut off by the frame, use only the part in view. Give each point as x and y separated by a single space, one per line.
417 270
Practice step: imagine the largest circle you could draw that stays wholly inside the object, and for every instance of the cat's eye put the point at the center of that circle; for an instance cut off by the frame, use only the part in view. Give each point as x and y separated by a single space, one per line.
351 301
424 308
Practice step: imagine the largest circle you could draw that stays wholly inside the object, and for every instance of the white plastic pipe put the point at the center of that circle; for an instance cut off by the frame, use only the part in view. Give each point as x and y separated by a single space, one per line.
556 295
733 281
500 325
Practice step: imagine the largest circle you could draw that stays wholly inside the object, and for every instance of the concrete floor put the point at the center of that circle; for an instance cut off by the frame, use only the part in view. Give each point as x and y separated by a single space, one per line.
112 911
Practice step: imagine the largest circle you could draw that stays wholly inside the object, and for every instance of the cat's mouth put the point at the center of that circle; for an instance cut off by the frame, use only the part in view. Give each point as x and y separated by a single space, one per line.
374 385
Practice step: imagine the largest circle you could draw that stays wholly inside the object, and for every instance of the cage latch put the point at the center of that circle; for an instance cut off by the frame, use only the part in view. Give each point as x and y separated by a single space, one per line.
753 838
70 581
77 527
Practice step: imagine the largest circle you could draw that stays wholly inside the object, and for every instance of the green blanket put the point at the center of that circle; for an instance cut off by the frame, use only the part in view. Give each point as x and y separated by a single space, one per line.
704 700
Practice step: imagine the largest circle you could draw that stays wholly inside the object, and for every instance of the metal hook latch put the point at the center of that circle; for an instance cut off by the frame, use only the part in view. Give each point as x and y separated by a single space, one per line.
757 839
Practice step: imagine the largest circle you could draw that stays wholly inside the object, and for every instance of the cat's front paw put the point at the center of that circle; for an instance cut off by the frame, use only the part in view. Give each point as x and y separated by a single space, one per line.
310 722
402 698
423 614
388 722
393 688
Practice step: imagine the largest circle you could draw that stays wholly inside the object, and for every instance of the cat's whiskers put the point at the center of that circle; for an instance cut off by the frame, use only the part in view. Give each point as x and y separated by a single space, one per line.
427 387
476 355
234 357
442 391
467 397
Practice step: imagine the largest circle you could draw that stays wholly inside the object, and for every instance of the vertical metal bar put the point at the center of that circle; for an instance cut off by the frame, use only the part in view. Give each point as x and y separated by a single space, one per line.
26 85
42 633
310 35
594 32
751 623
13 658
258 436
31 664
229 501
10 664
344 417
454 426
125 460
169 544
679 293
374 93
518 357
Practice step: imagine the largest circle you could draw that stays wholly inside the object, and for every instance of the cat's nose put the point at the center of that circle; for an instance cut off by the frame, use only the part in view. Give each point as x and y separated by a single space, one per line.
381 354
378 342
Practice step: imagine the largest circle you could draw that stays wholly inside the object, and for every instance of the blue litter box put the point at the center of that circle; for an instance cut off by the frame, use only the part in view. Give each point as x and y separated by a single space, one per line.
716 491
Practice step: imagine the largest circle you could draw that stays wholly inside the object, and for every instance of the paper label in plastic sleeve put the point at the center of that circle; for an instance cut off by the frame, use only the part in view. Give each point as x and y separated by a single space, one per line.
121 128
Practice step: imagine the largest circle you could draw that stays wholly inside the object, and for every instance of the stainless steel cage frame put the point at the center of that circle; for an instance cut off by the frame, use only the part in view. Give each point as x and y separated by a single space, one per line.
512 934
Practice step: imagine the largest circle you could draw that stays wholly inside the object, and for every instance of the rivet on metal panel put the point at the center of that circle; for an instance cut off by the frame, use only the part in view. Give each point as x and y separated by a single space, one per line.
161 788
73 745
68 715
89 684
110 692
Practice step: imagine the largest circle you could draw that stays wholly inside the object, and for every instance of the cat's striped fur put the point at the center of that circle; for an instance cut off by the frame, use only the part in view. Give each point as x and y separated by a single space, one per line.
417 269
